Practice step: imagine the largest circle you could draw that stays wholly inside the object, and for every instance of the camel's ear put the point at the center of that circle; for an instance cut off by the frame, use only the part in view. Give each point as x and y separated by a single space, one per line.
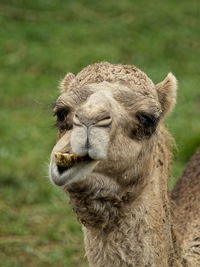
167 93
66 81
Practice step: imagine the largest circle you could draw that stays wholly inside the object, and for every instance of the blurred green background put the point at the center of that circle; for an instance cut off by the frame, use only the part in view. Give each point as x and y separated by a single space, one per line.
40 41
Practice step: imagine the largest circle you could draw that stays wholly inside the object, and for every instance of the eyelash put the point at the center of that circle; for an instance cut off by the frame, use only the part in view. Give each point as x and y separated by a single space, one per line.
147 125
61 122
146 120
61 115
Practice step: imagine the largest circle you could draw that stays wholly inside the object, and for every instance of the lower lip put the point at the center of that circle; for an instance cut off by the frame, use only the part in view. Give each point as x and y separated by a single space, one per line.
68 175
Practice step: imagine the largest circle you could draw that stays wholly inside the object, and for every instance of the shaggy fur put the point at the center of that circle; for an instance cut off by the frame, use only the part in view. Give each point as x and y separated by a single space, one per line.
114 114
186 194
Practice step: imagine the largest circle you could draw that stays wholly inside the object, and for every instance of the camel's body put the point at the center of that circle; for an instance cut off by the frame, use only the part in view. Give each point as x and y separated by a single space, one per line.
121 196
186 195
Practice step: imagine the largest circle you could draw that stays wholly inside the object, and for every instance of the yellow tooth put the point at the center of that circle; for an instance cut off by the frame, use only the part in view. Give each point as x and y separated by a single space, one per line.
63 159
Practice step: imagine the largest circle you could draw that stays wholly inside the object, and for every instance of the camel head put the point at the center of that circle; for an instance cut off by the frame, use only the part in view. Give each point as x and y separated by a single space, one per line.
108 117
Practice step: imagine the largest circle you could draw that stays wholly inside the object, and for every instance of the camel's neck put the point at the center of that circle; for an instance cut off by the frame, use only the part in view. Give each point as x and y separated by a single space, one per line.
142 236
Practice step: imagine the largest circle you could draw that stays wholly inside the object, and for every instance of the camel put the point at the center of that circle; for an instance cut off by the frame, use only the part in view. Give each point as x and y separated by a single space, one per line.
112 158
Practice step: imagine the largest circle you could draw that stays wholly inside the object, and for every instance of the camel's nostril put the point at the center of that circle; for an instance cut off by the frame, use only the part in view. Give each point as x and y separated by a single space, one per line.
105 122
106 118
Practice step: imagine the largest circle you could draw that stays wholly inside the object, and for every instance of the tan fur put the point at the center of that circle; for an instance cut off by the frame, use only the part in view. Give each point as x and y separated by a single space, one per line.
114 114
186 194
166 92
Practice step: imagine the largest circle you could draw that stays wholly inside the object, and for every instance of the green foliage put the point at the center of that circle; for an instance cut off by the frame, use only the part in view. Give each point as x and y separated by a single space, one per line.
40 42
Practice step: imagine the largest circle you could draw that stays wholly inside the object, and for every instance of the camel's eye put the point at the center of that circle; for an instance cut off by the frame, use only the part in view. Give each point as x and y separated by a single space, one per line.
147 120
147 124
63 121
61 115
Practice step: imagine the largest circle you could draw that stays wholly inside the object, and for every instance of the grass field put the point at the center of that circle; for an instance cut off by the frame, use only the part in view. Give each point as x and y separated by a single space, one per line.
39 42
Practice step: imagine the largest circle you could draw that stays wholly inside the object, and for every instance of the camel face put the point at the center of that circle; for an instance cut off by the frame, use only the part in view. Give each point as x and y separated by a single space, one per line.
107 129
106 126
